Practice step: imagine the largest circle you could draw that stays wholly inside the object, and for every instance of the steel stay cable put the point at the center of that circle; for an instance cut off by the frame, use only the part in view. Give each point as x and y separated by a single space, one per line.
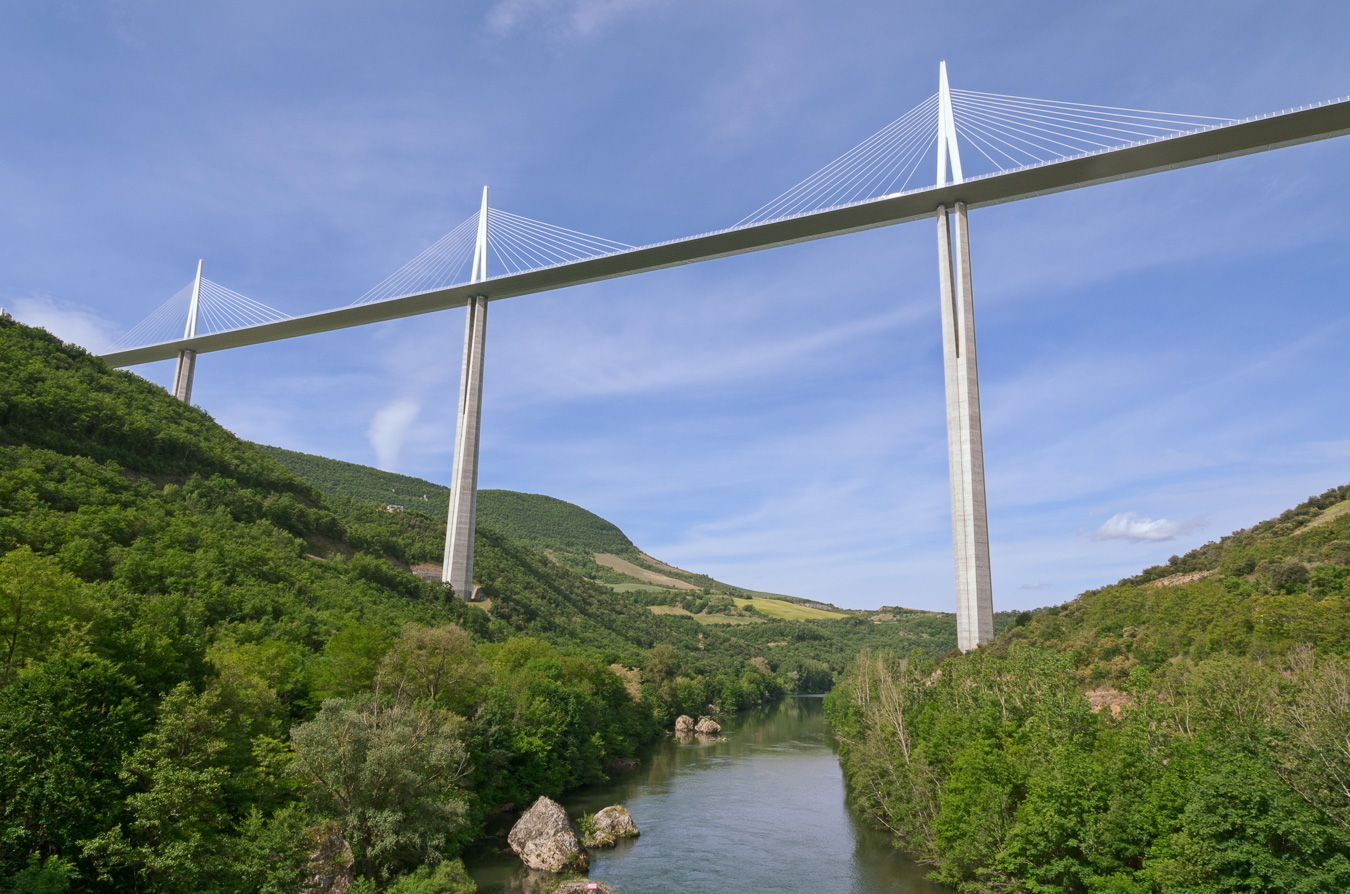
410 271
995 136
1006 96
899 146
555 228
1164 122
158 319
1005 114
815 191
825 194
790 196
1009 130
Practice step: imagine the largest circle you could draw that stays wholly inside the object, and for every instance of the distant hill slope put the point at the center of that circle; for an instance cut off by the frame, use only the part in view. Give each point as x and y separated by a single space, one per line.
550 523
338 478
574 536
541 521
1260 591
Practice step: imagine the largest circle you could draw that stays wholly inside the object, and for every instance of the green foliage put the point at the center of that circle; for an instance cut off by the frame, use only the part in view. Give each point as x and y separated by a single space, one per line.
50 876
65 727
448 877
389 774
1227 769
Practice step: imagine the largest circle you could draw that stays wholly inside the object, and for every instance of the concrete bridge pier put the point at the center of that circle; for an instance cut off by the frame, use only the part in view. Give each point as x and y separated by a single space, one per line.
187 360
965 442
457 568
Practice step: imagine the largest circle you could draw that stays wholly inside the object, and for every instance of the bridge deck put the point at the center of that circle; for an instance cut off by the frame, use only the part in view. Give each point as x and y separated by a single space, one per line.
1226 141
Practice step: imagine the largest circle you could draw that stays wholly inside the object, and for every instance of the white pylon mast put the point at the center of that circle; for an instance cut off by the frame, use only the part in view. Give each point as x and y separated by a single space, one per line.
187 360
191 330
457 567
946 131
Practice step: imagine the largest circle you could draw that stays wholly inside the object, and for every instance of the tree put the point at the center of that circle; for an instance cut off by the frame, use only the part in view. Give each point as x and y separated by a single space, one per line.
434 664
175 838
65 726
40 610
388 774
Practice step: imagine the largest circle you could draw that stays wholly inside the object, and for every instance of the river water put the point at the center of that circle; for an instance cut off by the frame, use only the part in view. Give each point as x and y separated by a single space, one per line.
761 809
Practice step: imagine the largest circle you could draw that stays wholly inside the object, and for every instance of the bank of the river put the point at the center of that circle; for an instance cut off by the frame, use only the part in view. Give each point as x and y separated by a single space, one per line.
763 809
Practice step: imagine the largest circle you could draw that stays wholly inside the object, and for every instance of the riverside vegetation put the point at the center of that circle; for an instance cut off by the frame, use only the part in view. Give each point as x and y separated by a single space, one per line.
1220 758
211 671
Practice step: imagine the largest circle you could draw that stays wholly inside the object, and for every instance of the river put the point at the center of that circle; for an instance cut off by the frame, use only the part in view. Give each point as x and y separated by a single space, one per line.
761 810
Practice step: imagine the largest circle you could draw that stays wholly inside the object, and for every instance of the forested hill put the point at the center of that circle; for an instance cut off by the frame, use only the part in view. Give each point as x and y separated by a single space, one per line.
338 478
576 537
1184 730
207 666
540 521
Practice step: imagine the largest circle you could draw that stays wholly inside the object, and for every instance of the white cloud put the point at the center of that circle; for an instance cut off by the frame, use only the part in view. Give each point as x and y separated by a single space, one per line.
1129 526
69 322
389 429
576 18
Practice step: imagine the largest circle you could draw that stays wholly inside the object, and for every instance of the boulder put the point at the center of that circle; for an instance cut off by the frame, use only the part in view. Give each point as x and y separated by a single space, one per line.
544 839
684 724
708 726
613 823
329 869
583 886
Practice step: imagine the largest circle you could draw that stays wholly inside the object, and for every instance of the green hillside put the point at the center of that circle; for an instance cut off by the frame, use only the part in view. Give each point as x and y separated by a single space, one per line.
193 641
1183 730
188 630
549 523
534 519
572 535
343 479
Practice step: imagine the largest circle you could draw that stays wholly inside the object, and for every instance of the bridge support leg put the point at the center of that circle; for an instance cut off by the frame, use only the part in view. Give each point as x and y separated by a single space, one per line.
965 443
187 360
182 376
458 566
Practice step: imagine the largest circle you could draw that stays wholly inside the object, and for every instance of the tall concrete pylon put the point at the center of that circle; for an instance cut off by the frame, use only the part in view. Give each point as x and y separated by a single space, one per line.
457 569
187 360
965 440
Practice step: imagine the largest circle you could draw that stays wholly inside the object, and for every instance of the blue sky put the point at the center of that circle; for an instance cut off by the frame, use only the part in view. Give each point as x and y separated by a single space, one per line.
1162 360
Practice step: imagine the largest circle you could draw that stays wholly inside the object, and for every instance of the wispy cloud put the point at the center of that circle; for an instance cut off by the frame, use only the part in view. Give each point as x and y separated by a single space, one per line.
1132 527
568 18
389 429
68 322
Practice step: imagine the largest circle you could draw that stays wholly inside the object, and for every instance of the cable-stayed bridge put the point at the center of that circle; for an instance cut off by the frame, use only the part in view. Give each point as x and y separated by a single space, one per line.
1014 148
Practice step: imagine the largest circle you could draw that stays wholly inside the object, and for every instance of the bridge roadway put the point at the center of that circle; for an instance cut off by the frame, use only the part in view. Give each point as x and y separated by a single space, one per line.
1305 125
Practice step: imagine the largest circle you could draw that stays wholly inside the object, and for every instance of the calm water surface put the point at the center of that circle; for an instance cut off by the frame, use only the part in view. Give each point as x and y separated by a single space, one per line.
762 811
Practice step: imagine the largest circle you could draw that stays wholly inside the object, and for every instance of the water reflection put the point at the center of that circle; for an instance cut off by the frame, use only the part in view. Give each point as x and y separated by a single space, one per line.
758 808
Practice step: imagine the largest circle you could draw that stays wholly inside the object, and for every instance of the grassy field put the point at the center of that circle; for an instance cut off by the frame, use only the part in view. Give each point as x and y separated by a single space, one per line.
702 619
787 611
726 619
633 586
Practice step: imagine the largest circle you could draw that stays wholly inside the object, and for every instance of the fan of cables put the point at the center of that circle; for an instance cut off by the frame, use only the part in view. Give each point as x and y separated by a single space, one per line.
218 310
1005 132
515 245
1016 131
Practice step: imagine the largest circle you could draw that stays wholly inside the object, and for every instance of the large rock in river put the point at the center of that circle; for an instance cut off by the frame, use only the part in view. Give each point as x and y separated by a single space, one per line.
544 839
708 726
583 886
609 825
684 724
